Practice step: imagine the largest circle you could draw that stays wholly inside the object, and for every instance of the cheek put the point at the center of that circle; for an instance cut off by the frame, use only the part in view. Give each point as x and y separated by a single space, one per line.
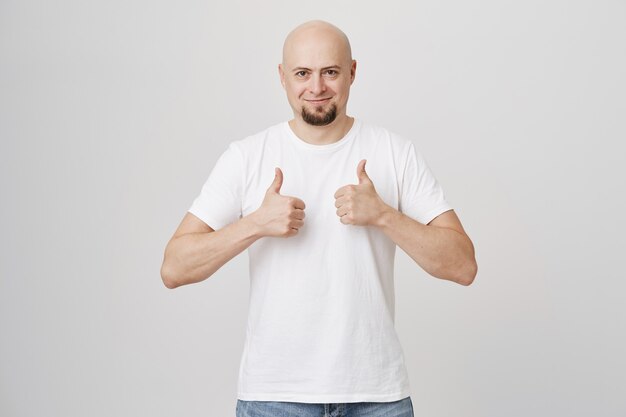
294 97
295 90
336 87
345 87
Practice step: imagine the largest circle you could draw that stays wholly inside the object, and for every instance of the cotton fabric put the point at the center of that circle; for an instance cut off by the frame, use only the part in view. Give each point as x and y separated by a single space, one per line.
321 305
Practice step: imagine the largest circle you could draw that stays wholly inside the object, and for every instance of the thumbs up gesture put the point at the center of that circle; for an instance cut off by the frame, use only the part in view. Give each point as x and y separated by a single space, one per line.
279 215
359 204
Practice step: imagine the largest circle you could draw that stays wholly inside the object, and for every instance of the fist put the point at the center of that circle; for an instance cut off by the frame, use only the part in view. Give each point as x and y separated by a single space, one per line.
279 215
359 204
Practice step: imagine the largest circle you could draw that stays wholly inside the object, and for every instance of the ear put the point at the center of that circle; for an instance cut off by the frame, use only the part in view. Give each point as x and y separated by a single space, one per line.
281 74
352 71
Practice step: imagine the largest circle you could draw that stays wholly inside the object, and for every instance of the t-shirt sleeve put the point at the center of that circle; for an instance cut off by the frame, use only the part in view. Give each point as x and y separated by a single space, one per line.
219 202
421 196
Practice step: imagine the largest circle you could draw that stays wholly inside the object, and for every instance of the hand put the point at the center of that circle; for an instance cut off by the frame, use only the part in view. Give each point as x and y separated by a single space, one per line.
359 204
279 215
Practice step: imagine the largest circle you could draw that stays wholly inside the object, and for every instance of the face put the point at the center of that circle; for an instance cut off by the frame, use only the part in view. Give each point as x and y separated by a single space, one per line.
317 73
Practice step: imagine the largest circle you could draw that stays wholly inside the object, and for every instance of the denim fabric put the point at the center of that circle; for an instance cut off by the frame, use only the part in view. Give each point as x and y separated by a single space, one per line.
400 408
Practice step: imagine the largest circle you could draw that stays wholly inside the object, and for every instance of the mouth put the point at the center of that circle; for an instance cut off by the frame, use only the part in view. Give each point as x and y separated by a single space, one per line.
320 101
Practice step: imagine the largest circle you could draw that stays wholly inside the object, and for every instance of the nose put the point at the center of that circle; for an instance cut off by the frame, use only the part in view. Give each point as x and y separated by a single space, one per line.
317 85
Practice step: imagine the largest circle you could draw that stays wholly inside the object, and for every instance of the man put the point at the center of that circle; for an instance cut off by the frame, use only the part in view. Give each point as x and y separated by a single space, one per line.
320 332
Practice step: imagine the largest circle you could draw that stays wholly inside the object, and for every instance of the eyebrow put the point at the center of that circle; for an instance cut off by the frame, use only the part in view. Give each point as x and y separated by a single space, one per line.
308 69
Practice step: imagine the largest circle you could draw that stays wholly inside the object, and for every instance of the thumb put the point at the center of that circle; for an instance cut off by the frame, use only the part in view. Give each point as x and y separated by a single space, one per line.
278 181
360 172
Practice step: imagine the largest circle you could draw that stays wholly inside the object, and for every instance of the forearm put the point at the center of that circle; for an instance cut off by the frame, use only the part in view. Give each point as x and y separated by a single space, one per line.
194 257
442 252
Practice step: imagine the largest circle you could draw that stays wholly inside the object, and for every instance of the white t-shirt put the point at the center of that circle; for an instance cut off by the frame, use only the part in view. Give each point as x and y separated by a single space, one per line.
322 305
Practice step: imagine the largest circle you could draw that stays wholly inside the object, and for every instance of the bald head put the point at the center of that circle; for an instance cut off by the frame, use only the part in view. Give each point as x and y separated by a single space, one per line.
317 72
306 39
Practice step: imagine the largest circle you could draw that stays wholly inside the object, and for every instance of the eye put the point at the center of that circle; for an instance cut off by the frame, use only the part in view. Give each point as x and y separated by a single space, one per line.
331 72
301 73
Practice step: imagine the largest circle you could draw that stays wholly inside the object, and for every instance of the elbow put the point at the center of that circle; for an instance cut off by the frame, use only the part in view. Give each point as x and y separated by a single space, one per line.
469 268
174 277
467 275
168 278
459 274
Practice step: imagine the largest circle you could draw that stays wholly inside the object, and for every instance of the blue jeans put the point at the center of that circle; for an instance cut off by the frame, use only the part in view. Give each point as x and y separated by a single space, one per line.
400 408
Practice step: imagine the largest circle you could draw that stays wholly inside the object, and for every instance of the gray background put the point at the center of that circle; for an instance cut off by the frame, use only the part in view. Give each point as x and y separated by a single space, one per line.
113 113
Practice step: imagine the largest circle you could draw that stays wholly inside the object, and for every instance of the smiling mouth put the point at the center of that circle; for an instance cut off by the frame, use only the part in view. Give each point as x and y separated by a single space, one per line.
321 101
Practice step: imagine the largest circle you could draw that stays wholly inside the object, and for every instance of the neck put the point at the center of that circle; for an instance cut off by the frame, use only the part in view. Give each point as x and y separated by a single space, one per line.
322 135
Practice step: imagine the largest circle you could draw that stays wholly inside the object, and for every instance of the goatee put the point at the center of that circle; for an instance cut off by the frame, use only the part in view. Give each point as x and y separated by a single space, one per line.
316 119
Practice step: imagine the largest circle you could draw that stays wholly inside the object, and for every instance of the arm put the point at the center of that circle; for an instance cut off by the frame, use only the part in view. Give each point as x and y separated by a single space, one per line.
196 251
441 248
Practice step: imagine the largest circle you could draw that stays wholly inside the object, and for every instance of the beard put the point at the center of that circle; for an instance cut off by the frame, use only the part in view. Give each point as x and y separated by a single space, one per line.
320 118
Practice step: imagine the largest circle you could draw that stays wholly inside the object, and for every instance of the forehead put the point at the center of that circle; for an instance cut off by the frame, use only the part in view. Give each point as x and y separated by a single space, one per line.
315 49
